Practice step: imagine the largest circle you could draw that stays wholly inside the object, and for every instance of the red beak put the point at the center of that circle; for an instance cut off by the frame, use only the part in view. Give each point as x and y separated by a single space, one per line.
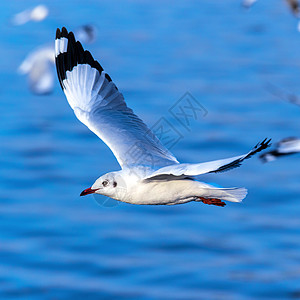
88 191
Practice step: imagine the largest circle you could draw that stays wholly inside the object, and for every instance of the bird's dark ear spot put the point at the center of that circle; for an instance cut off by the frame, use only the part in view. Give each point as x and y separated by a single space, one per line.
114 184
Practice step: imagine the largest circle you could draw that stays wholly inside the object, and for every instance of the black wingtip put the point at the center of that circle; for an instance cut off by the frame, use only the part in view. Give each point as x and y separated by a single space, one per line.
61 33
236 163
64 32
263 145
266 143
107 77
74 55
58 34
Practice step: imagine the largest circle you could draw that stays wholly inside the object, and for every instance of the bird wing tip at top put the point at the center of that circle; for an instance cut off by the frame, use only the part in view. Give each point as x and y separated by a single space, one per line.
58 34
266 143
61 33
73 54
64 32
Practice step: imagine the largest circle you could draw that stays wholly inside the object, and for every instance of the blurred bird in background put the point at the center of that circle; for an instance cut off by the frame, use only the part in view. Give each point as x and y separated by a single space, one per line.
285 147
39 64
39 67
248 3
36 14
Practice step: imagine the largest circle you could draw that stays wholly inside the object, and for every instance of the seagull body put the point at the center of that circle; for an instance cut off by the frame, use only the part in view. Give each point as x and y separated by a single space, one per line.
131 186
153 177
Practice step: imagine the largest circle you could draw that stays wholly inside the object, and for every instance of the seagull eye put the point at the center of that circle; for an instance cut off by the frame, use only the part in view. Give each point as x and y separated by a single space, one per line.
105 183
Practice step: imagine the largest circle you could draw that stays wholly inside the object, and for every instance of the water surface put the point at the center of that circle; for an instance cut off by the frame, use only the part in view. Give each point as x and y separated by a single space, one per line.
57 245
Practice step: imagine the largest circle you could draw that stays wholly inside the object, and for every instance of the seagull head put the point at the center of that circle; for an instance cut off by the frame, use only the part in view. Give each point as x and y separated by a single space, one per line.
110 184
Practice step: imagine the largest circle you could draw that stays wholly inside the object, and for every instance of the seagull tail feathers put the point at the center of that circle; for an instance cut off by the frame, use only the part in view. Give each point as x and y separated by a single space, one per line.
227 194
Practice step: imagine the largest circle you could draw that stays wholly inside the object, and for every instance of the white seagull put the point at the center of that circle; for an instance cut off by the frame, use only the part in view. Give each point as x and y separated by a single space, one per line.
285 147
149 173
36 14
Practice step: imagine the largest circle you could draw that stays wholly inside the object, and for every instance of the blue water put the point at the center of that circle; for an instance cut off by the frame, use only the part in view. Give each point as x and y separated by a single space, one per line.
57 245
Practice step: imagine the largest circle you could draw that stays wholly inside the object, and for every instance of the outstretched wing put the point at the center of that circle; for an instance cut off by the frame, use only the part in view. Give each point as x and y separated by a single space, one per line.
99 105
215 166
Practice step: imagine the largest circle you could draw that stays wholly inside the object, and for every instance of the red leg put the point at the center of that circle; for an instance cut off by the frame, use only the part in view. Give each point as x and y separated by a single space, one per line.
212 201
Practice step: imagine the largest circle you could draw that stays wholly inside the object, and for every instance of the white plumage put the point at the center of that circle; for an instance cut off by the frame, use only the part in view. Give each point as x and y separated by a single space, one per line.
157 178
36 14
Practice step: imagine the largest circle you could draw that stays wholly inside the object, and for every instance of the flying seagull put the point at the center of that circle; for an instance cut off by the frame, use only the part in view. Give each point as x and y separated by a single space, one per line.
285 147
157 178
36 14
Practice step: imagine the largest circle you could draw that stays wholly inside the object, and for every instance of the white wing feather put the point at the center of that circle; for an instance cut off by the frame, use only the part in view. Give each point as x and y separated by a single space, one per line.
99 105
215 166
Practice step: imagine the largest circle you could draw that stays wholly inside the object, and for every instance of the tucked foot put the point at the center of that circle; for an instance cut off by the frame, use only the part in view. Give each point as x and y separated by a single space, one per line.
212 201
